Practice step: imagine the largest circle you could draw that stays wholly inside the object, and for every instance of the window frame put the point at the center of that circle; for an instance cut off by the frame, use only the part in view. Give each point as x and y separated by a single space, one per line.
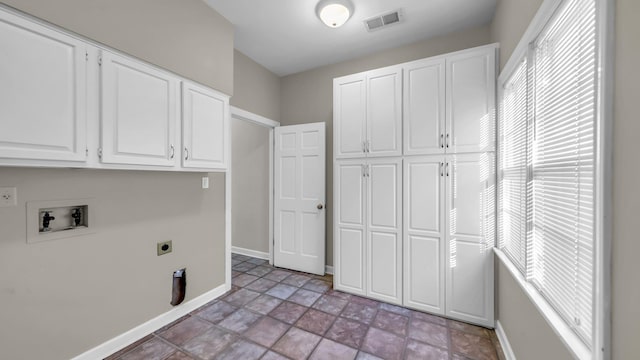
601 330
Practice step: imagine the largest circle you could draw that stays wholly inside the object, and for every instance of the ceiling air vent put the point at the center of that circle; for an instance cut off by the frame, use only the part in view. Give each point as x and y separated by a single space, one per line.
381 21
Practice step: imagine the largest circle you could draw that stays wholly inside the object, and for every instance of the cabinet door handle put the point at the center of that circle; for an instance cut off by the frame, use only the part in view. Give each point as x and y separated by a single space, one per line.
368 171
186 154
364 146
441 169
447 169
173 151
441 140
363 171
447 141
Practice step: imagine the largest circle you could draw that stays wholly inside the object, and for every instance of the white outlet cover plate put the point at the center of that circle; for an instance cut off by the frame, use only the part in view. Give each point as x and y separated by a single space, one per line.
205 182
8 196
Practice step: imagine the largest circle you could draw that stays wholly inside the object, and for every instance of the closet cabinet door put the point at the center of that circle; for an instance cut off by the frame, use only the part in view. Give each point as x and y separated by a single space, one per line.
204 127
470 237
424 107
424 233
471 101
349 116
42 92
139 113
384 112
384 235
349 227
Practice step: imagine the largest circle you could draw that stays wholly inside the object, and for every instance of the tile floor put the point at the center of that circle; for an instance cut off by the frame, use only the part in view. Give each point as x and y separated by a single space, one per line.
275 314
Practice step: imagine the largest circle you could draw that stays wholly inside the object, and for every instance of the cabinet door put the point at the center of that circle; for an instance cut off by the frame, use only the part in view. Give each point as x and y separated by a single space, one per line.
349 225
42 92
204 127
384 235
471 101
139 113
470 237
349 116
424 104
423 243
384 112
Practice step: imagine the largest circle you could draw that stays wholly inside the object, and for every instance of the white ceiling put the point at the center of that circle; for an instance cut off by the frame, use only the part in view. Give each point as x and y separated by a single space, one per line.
286 36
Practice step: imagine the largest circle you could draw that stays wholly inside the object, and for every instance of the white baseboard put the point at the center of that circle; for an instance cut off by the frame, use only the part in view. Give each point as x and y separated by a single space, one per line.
504 342
328 269
123 340
252 253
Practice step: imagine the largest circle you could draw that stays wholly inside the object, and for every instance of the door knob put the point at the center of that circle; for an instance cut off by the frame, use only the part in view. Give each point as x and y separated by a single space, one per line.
320 206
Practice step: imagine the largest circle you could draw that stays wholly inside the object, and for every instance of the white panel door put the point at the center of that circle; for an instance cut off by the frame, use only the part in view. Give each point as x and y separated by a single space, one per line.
471 78
42 92
470 237
384 229
299 215
139 113
349 226
204 127
424 107
423 232
384 112
349 116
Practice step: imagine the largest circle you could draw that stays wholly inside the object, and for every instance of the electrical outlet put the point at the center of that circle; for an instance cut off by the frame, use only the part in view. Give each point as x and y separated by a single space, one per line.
205 182
8 196
164 247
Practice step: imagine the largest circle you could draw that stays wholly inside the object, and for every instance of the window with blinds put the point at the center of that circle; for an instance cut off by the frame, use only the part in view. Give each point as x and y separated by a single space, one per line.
512 182
546 150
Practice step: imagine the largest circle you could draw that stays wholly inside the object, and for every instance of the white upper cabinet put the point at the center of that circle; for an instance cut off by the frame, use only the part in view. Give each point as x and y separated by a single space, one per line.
384 112
471 77
470 237
424 107
204 127
139 113
368 114
350 116
42 93
449 103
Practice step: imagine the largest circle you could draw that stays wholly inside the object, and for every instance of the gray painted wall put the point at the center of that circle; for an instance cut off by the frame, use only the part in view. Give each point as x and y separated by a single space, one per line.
256 89
60 298
626 177
521 320
250 189
307 97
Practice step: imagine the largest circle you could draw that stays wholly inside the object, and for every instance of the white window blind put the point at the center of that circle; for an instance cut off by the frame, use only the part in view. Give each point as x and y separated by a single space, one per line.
563 160
546 194
512 182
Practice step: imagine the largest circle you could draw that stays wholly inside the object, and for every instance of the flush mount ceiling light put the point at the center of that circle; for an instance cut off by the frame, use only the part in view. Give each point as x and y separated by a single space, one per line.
334 13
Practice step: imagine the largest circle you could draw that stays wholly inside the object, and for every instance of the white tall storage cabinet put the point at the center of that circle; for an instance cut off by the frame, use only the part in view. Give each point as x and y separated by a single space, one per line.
437 254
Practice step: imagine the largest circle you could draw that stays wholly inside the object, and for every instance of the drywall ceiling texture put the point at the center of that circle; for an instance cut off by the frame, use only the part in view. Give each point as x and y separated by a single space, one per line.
60 298
250 189
307 97
186 37
256 89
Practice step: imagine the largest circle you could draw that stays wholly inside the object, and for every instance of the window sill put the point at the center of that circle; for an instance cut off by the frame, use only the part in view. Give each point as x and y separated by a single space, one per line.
578 349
